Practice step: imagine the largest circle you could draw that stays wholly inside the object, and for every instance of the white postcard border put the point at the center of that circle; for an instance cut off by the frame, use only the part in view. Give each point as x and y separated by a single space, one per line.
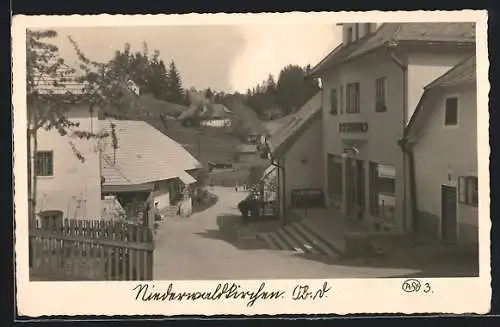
450 295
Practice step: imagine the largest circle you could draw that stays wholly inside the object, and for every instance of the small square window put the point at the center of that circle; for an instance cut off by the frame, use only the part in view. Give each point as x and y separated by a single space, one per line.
451 112
44 163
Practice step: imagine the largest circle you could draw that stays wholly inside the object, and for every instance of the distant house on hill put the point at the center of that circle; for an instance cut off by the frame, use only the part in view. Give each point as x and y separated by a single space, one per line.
208 115
216 115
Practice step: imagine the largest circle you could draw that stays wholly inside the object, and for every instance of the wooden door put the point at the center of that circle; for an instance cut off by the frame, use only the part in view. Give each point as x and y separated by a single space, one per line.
449 221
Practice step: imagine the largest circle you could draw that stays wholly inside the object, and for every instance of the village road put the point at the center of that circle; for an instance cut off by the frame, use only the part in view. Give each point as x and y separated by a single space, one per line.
192 248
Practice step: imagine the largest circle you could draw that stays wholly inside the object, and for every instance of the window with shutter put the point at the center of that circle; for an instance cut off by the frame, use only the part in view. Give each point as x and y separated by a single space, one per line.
352 97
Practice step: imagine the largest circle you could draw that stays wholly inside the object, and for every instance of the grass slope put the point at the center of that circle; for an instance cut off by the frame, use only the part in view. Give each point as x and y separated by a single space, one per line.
214 144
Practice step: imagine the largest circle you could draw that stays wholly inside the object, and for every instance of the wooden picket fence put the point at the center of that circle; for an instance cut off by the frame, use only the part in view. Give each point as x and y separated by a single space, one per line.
91 250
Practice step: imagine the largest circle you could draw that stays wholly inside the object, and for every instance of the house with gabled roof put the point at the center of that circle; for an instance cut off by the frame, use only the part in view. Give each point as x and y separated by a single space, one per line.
66 166
207 115
297 152
145 163
440 143
371 84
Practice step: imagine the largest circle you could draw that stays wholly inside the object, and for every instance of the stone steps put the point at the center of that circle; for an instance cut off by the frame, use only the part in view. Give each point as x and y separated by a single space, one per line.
305 243
324 246
299 238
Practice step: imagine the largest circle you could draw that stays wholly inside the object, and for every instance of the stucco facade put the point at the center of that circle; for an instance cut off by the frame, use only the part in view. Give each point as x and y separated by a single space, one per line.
74 187
302 164
442 155
406 71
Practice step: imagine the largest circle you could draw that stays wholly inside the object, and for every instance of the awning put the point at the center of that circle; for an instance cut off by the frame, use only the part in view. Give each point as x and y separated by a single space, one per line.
186 178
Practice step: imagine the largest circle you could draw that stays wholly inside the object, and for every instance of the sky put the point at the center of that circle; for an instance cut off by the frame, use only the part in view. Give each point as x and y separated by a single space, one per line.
226 58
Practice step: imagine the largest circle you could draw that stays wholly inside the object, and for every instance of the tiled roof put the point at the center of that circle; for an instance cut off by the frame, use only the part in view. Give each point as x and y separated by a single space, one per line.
215 111
206 111
144 155
462 74
392 33
65 82
273 125
300 119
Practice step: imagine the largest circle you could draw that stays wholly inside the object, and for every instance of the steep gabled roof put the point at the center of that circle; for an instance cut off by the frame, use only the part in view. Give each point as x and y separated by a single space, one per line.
144 155
287 133
215 111
464 73
389 34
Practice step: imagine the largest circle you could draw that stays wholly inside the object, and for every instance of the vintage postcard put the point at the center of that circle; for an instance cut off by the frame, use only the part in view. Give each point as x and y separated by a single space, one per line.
209 164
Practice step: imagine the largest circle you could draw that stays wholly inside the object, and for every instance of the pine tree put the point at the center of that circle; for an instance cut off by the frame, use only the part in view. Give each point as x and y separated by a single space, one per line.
270 84
175 90
209 94
158 82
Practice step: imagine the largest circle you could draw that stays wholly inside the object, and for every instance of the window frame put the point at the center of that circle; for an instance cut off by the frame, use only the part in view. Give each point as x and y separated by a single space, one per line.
446 98
349 34
381 104
367 28
334 102
466 195
341 99
38 175
356 95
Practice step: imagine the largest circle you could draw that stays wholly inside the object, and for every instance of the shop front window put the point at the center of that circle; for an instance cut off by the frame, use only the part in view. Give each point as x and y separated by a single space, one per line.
382 191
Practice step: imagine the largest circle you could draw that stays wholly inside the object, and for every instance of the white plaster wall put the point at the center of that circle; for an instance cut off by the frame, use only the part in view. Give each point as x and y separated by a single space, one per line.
75 187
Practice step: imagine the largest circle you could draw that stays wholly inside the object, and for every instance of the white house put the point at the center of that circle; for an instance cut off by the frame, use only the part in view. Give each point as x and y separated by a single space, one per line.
371 84
68 187
441 146
297 149
215 115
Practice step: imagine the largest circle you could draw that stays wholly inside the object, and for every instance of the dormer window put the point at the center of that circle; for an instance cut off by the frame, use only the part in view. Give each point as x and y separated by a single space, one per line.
349 35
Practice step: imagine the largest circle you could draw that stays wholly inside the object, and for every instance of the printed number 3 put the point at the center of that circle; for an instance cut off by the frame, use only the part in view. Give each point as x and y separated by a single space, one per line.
427 288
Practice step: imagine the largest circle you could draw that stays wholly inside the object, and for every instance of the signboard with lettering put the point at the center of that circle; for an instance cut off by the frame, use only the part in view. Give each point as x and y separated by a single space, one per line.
353 127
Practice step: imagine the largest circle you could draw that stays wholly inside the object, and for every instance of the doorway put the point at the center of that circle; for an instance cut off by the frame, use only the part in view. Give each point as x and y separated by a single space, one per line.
449 221
355 188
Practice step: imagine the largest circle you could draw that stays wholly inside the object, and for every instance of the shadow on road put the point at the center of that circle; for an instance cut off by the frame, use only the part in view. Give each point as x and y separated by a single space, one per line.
232 229
204 201
425 268
241 244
